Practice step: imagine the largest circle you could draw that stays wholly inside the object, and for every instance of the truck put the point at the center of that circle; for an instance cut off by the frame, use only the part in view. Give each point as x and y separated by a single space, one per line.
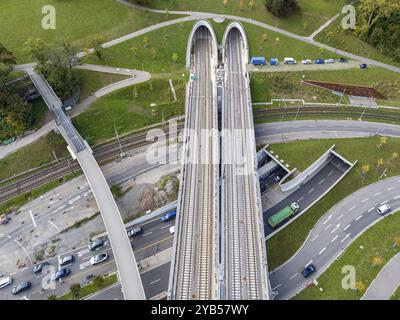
4 219
258 61
282 215
273 61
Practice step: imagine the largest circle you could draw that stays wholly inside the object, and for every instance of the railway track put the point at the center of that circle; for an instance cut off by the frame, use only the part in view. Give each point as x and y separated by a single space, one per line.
109 151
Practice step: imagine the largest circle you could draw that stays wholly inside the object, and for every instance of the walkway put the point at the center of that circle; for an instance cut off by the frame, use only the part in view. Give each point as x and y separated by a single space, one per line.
386 283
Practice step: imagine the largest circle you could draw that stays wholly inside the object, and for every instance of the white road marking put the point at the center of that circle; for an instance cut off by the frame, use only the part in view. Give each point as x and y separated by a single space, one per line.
335 238
308 264
322 251
314 238
329 218
398 197
330 173
300 199
378 193
293 276
167 226
359 217
148 233
33 218
311 190
384 202
153 282
340 217
337 227
391 188
279 285
365 200
54 225
321 181
352 208
369 210
328 227
347 235
346 227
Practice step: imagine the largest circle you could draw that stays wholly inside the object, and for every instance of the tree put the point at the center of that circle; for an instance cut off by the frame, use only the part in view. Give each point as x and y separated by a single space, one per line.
175 57
36 49
52 297
396 241
376 261
277 39
98 281
360 286
153 53
225 3
75 290
242 5
264 37
252 4
364 170
282 8
7 61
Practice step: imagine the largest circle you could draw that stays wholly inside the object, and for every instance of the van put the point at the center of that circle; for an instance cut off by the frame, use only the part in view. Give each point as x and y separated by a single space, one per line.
289 61
5 282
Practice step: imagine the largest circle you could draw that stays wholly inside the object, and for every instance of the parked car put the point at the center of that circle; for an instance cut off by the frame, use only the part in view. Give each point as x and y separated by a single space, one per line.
363 66
23 286
172 230
99 258
96 244
342 60
39 267
4 219
308 271
135 231
66 260
384 209
306 61
6 281
319 61
330 61
289 61
169 216
60 274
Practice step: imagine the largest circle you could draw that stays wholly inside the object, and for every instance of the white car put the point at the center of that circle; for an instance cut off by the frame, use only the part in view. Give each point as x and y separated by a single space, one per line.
98 258
383 209
330 61
172 229
307 61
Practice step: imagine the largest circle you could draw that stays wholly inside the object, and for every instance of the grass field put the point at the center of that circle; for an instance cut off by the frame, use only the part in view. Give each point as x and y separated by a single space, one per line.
379 241
128 112
396 295
78 21
335 36
313 13
286 242
265 86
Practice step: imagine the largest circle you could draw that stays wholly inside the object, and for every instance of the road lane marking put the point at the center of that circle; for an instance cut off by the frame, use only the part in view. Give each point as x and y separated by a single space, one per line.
33 218
293 276
54 225
148 233
333 240
391 188
337 227
314 238
329 218
359 217
322 251
300 199
365 200
279 285
330 173
398 197
347 235
328 227
321 181
352 208
384 202
308 264
155 281
311 190
369 210
345 228
340 217
378 193
169 225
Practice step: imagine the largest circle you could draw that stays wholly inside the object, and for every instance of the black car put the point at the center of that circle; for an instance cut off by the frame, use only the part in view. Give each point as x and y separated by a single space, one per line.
342 60
308 271
39 267
21 287
363 66
95 244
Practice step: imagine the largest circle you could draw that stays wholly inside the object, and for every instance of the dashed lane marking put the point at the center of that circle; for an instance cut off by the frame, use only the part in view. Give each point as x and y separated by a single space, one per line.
347 235
334 239
346 227
359 217
322 251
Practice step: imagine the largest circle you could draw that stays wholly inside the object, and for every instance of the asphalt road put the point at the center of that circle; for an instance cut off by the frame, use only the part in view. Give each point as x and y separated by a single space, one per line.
308 193
333 233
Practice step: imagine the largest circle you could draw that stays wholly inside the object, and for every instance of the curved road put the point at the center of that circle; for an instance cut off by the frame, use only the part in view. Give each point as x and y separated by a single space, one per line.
333 233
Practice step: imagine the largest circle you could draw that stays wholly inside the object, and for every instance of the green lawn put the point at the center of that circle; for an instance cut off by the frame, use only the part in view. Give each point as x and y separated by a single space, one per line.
286 242
313 13
335 36
265 86
396 295
78 21
91 288
128 112
377 242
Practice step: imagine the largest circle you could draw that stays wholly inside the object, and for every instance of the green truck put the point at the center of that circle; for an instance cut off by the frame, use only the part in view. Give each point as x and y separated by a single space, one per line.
285 213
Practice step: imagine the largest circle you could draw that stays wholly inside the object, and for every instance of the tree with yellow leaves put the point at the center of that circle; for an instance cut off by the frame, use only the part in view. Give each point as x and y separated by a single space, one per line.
360 286
376 261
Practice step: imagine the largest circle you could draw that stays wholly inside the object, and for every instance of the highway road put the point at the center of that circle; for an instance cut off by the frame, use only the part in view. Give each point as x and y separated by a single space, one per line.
333 233
193 265
243 240
308 193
